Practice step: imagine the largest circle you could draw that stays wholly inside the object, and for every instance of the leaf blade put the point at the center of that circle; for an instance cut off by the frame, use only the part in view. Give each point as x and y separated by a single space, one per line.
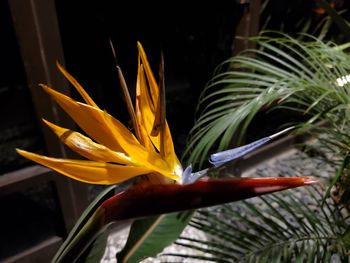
150 236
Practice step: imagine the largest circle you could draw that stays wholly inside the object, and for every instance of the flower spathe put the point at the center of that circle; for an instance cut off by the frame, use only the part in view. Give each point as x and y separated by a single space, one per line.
114 153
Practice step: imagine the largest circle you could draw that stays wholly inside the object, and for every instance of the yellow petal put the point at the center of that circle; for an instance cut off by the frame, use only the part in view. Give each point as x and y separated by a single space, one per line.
147 111
140 108
86 147
92 121
170 155
150 77
78 87
160 106
140 155
110 132
88 171
144 108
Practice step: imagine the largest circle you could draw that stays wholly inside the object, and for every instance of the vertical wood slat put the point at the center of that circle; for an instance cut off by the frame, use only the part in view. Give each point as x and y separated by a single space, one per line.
38 36
248 25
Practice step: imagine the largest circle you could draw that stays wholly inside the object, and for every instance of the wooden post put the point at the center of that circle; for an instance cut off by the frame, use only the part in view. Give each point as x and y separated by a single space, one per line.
38 36
248 25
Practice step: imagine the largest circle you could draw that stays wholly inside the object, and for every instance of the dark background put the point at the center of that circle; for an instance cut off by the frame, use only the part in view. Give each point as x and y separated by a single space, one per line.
194 41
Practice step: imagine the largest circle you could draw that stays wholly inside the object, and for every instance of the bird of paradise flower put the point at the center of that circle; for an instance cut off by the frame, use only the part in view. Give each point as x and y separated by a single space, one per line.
115 154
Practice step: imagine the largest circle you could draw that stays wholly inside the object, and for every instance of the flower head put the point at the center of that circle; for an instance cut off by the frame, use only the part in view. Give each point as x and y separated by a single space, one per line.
114 153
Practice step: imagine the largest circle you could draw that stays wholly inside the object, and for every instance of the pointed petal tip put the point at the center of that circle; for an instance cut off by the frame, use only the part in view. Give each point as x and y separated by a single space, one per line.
59 131
48 123
58 65
19 151
308 180
46 88
55 128
62 69
24 153
282 132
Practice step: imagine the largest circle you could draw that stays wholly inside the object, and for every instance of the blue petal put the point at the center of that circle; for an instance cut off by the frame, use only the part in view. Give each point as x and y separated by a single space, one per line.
188 177
233 154
185 177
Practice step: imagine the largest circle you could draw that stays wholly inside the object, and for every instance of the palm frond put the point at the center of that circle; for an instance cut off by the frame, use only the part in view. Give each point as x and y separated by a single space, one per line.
301 76
275 229
311 79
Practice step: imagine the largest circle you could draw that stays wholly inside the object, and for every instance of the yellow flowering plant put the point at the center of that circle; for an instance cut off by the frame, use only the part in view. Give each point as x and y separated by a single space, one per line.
115 154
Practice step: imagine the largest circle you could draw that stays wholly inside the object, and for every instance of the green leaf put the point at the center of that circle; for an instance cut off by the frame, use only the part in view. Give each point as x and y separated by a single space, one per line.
74 234
97 249
339 173
345 238
252 232
299 76
338 20
150 236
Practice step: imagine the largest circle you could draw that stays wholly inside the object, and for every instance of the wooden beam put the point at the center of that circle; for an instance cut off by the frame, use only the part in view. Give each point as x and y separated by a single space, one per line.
20 179
38 36
40 253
